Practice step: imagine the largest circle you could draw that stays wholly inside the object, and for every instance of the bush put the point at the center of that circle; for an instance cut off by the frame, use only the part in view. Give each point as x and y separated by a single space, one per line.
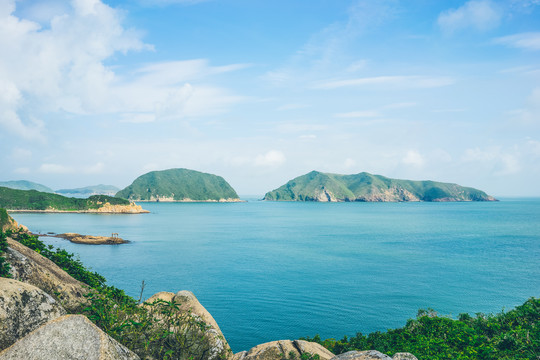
512 335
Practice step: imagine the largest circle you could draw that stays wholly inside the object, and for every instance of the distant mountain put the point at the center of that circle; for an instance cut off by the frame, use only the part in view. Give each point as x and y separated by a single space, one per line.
26 185
87 191
179 185
318 186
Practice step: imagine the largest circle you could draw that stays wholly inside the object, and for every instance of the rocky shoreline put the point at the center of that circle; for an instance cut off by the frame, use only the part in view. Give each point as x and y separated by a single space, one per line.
105 209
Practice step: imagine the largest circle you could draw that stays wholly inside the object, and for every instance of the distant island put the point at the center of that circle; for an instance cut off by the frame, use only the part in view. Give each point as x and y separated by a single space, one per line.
326 187
36 201
26 185
87 191
179 185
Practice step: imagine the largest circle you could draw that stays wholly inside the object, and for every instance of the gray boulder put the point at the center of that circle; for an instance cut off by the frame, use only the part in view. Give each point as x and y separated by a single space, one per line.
30 267
362 355
206 342
68 337
284 349
404 356
23 308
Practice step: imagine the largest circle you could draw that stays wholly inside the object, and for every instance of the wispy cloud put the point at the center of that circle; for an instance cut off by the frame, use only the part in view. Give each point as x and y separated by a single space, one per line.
525 41
271 158
480 15
412 81
358 114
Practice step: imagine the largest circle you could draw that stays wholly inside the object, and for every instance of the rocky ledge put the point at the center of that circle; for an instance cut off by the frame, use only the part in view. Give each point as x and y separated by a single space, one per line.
90 239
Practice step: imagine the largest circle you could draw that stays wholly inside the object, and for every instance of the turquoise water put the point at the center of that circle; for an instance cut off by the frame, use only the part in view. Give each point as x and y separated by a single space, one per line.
269 270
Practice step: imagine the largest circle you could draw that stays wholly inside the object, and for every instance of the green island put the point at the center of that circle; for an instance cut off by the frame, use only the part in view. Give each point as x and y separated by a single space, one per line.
33 200
179 185
326 187
160 329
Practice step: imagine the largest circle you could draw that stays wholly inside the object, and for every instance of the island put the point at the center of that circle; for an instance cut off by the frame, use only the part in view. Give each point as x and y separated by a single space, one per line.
36 201
179 185
326 187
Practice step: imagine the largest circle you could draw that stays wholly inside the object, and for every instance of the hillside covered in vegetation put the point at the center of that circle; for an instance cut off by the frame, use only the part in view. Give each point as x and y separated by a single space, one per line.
318 186
179 185
12 199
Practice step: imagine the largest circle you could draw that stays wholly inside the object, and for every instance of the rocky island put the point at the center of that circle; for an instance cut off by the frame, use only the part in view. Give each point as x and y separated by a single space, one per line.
179 185
91 239
326 187
36 201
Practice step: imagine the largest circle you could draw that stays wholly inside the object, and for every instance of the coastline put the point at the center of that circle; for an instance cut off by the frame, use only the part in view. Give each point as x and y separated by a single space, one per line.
170 200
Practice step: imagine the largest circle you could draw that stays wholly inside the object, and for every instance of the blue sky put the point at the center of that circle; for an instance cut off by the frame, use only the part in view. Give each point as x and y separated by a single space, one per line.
260 92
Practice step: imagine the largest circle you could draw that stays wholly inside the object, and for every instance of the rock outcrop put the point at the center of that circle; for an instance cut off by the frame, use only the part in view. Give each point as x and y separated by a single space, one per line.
68 337
91 239
362 355
404 356
23 308
284 349
212 343
30 267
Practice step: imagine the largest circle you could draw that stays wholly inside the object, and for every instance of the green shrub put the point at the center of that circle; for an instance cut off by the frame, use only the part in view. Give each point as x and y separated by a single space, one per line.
511 335
4 266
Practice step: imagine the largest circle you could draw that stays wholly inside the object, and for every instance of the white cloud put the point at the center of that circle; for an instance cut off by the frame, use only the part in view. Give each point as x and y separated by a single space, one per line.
413 158
526 41
358 114
410 81
349 163
60 67
272 158
55 169
481 15
22 170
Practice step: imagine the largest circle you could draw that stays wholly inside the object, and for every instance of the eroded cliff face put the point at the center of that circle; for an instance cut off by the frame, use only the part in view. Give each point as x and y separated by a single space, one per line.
394 194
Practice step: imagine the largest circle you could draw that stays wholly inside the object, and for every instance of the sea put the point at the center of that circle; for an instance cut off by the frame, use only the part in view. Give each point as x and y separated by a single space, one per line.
282 270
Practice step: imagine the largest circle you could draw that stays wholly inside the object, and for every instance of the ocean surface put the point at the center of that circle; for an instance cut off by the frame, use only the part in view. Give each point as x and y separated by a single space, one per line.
272 270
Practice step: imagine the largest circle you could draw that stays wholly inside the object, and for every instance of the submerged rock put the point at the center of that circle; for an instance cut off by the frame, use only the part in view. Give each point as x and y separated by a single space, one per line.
23 308
284 349
68 337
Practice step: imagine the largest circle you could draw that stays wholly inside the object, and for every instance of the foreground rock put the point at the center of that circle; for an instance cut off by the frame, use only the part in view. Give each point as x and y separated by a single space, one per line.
91 240
30 267
68 337
23 308
284 349
207 344
362 355
404 356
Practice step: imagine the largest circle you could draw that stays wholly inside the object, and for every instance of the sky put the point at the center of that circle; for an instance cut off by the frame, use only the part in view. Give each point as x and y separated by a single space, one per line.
259 92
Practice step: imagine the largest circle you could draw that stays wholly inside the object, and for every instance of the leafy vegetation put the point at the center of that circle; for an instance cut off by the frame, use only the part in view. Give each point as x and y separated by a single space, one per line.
178 184
368 187
512 335
35 200
4 265
156 330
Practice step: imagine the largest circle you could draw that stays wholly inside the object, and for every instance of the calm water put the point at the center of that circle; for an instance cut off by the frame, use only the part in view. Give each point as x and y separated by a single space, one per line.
268 271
